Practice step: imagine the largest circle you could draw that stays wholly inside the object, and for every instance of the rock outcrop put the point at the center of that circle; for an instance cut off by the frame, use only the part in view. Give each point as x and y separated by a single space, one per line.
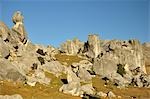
121 62
72 47
19 26
92 46
16 96
123 52
146 52
20 59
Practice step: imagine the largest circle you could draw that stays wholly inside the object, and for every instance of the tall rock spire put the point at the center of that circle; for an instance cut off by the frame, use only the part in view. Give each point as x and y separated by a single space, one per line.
18 27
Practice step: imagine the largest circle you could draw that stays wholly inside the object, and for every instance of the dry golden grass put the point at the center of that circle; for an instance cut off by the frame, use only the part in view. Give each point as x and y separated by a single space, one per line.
39 91
125 93
69 59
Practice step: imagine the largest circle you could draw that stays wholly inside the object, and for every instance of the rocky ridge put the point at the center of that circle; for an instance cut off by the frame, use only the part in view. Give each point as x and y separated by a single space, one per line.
117 61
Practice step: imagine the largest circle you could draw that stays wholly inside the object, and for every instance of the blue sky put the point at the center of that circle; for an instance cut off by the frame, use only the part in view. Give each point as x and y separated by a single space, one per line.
54 21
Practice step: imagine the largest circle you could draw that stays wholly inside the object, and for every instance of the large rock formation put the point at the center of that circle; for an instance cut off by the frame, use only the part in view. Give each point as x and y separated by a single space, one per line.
72 47
19 26
19 58
146 52
117 52
120 57
121 62
4 31
92 46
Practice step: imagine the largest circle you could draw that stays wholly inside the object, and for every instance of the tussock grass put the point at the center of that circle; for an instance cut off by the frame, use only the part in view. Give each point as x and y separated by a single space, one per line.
69 59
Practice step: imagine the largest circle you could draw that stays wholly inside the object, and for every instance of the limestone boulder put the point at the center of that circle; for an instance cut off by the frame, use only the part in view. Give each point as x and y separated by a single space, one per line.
102 94
104 67
146 52
110 94
19 28
16 96
88 89
38 76
84 75
4 49
9 71
71 76
4 31
54 67
72 88
92 46
83 69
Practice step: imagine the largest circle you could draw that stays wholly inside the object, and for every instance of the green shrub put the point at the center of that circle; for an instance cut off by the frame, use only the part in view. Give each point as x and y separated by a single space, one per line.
121 69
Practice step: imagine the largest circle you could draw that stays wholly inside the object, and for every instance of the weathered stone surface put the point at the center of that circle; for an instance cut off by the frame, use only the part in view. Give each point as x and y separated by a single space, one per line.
92 46
72 88
38 76
4 49
16 96
94 43
9 72
83 70
72 47
17 17
19 26
146 52
102 66
4 31
71 76
84 75
75 89
54 67
110 94
124 52
88 89
102 94
87 65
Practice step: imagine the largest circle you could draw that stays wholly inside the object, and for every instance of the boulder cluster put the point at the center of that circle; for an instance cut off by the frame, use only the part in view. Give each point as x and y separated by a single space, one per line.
117 61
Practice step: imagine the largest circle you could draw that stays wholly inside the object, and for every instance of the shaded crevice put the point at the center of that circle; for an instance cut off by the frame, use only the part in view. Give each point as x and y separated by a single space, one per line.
41 59
65 81
34 66
7 56
41 52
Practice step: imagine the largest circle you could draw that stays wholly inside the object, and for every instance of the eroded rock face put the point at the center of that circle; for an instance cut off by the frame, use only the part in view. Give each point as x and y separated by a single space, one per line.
146 52
92 46
74 86
4 31
9 71
38 76
4 49
118 59
19 26
54 67
121 52
104 66
72 47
